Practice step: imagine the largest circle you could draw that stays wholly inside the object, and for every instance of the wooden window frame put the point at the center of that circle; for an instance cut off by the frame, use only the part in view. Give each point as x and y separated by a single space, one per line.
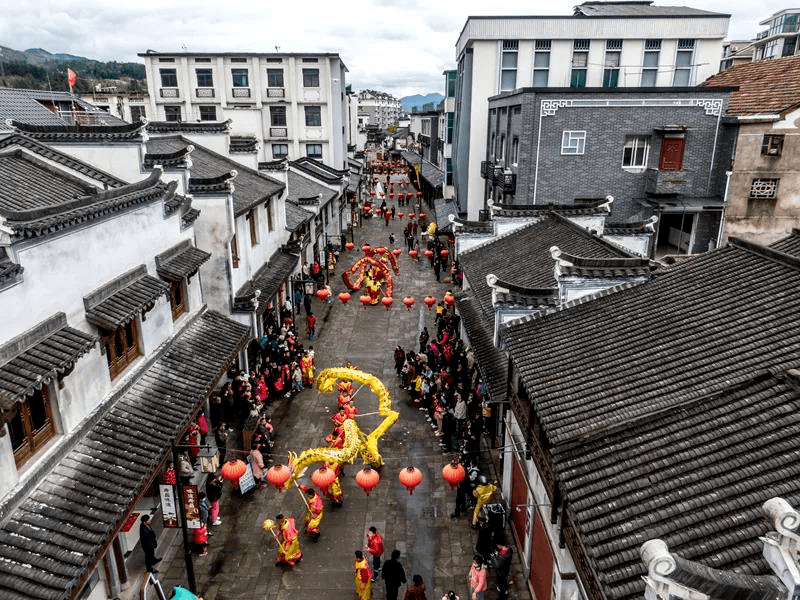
252 222
772 144
234 252
177 298
130 338
34 440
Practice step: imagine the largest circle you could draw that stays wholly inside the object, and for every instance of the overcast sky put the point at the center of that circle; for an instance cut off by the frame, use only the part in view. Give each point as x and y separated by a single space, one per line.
397 46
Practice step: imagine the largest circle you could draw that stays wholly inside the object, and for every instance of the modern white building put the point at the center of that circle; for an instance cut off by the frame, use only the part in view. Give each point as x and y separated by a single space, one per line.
780 36
601 45
382 109
294 104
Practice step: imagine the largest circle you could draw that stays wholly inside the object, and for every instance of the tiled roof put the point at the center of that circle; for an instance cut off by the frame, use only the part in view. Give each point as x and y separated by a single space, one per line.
123 298
181 127
304 187
765 86
267 280
82 133
27 106
33 358
617 357
319 170
523 257
243 144
695 475
638 228
250 187
512 296
460 225
579 207
443 209
182 260
492 362
642 8
790 244
273 165
9 270
296 215
605 267
430 172
29 182
63 526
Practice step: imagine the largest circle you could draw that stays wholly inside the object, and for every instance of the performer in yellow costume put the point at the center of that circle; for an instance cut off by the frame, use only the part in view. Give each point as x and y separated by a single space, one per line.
363 577
314 510
289 546
484 494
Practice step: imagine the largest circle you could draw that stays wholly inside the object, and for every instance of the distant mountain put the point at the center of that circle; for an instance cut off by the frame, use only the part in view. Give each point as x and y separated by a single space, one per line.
410 102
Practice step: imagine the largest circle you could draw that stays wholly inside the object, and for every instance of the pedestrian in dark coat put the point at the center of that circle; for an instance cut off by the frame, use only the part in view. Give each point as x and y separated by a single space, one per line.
399 359
393 575
149 541
502 565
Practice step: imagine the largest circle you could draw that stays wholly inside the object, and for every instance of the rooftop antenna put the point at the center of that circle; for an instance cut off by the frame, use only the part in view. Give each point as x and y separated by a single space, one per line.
277 48
184 48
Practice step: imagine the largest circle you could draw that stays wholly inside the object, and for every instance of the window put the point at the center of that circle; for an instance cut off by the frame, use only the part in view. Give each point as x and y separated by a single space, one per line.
277 116
240 78
451 84
205 77
32 426
208 113
508 65
772 144
764 189
172 112
313 116
202 60
683 63
652 50
450 122
268 208
493 146
541 63
314 150
121 347
177 299
671 158
448 163
280 150
310 60
514 150
167 60
252 222
234 252
137 113
238 60
274 60
275 78
169 77
573 142
611 65
502 147
580 61
310 77
634 154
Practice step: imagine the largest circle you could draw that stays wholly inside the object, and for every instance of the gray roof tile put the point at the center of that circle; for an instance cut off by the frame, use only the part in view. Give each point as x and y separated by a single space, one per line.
304 187
123 299
27 106
267 280
180 261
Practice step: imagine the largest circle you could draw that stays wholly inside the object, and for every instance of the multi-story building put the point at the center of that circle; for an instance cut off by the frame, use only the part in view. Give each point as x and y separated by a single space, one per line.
603 44
446 129
128 106
294 104
780 37
382 109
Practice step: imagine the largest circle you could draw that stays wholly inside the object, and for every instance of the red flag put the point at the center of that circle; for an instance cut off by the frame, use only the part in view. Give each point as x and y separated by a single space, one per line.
72 77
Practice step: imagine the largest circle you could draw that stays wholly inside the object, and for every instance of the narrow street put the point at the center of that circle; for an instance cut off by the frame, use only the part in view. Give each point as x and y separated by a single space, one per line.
240 562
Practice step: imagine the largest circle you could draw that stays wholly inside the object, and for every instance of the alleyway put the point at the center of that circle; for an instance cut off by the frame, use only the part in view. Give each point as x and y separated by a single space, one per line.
240 563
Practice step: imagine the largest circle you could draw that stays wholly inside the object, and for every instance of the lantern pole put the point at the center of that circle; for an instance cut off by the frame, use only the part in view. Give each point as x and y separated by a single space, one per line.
187 554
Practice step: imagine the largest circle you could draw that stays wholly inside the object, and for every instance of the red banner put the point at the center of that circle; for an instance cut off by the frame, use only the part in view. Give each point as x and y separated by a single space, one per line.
191 506
72 77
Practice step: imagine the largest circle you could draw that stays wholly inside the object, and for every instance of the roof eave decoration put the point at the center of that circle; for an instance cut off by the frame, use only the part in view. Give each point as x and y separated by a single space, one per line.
182 127
182 260
171 160
213 185
99 133
123 298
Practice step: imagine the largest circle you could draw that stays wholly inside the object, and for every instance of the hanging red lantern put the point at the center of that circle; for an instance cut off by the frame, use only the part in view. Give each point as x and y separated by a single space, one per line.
324 477
400 215
419 194
366 248
444 252
408 181
449 299
372 193
410 477
387 301
349 245
412 254
453 474
322 294
428 253
391 195
233 469
383 194
365 300
401 196
411 216
429 301
397 252
409 302
344 297
170 477
422 216
278 475
380 250
367 478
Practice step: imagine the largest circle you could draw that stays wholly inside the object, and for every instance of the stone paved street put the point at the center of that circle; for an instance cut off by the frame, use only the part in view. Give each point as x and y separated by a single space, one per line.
240 562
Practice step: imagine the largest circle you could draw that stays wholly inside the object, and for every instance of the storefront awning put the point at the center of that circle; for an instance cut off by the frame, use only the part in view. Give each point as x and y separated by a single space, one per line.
267 280
180 261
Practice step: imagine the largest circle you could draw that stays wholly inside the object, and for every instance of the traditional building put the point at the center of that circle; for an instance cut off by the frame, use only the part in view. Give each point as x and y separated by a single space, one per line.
603 44
42 107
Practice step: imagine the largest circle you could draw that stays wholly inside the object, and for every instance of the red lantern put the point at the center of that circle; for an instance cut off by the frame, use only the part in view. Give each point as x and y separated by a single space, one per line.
233 469
428 253
411 216
380 250
397 252
387 302
372 193
444 252
409 302
374 180
429 301
365 300
400 215
453 474
344 297
383 194
422 216
322 293
366 248
277 475
410 477
401 196
449 299
324 477
419 194
170 477
367 479
407 181
412 254
349 245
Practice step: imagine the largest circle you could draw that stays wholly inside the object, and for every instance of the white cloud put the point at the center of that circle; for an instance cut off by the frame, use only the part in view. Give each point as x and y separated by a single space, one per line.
398 47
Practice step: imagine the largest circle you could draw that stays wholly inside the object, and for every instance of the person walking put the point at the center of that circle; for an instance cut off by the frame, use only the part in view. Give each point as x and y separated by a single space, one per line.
363 577
502 565
399 359
311 326
221 439
477 579
393 575
375 548
416 591
149 541
214 493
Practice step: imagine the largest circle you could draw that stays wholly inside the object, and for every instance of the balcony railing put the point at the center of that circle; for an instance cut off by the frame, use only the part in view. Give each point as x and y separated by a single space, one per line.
276 92
278 132
170 92
204 92
241 92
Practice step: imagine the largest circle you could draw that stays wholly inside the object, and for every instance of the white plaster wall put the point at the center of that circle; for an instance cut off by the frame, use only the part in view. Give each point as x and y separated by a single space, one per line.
83 389
503 226
214 230
120 159
157 325
484 85
638 244
590 223
217 142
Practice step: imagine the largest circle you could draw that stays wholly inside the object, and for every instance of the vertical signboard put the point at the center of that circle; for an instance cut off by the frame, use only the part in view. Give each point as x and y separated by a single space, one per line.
169 510
191 506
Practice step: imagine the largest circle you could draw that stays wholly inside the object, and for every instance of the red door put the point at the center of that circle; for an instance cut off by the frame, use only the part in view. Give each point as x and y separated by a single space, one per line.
519 504
541 577
671 154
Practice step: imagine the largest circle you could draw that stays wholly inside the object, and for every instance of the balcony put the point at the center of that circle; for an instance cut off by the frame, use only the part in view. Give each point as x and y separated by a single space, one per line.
276 92
278 132
204 92
666 183
169 93
241 92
